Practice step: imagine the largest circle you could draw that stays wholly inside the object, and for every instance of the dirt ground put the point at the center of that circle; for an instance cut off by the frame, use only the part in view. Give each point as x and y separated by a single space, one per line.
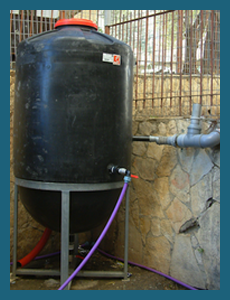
140 279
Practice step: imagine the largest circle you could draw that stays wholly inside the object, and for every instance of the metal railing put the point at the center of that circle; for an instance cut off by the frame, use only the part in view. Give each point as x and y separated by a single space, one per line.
25 23
177 58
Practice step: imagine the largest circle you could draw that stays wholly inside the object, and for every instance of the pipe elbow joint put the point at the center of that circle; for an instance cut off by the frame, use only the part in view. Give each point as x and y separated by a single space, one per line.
199 140
210 140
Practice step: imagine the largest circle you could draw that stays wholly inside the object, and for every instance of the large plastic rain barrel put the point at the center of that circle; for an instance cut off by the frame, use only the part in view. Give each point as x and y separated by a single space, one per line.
72 119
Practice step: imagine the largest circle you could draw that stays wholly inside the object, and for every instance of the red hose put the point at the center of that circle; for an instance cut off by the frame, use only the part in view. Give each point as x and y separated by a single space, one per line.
40 245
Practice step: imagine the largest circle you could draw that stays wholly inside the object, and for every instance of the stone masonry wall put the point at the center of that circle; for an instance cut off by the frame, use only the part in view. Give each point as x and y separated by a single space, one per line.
174 224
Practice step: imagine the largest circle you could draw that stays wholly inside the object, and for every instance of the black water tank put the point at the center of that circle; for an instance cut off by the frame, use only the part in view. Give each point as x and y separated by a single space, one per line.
72 118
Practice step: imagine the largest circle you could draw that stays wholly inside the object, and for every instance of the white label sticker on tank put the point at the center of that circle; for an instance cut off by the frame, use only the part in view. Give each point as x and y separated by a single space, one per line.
107 57
114 59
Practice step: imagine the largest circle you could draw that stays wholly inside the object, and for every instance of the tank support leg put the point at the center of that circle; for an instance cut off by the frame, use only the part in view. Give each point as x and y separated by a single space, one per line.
126 235
65 203
15 237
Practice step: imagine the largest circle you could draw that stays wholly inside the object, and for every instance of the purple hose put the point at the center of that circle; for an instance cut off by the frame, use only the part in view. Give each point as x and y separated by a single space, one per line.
149 269
98 240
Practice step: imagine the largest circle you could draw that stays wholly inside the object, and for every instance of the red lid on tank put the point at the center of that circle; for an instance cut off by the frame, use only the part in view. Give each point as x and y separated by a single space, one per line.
74 21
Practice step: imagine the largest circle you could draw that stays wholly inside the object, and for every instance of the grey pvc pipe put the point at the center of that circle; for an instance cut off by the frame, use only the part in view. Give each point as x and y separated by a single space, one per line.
199 140
193 138
186 140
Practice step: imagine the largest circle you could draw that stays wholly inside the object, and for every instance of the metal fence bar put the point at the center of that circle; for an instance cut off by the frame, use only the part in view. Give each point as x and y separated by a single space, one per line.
171 59
140 18
177 53
212 35
145 62
180 18
201 55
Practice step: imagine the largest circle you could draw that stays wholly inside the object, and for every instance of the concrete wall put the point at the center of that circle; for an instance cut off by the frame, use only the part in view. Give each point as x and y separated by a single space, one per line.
174 206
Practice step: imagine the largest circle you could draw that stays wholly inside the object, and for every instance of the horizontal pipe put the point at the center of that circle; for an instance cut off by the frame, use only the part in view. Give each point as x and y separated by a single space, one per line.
141 138
199 140
184 140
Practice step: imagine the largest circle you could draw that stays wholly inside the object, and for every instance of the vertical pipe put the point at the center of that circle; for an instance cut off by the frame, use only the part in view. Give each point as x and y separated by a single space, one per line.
126 234
201 57
15 239
65 236
146 48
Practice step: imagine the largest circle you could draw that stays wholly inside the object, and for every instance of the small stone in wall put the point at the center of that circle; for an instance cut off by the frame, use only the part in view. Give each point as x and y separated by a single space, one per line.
162 129
147 128
155 151
139 148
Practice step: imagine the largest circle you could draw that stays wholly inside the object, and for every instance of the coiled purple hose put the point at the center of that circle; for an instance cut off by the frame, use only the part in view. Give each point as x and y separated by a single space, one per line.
99 239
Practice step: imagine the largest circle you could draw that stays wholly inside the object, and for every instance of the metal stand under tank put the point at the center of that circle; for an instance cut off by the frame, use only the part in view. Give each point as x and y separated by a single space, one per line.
64 271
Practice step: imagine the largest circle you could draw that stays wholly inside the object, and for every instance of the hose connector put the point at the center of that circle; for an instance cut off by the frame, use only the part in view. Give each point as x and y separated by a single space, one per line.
115 169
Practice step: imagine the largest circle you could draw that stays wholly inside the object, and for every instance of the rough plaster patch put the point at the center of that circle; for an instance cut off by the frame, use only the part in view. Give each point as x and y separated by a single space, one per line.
201 166
184 264
168 162
200 193
178 214
161 185
158 253
209 240
179 184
